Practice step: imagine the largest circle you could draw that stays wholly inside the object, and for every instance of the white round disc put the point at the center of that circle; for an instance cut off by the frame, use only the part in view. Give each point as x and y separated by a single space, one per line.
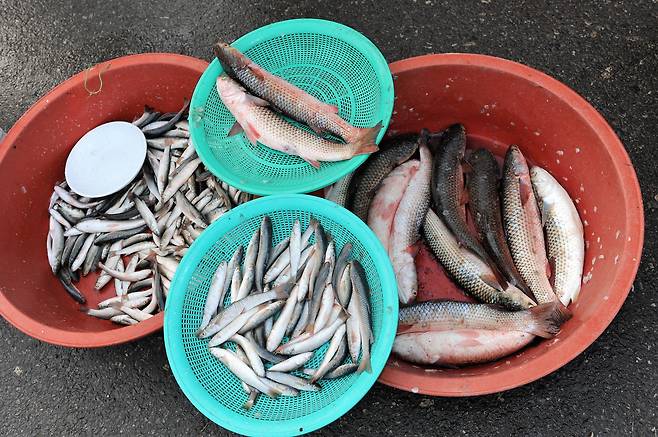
105 159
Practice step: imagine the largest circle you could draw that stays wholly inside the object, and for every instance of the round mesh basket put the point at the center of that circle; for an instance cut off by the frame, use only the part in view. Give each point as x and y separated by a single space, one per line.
333 62
209 385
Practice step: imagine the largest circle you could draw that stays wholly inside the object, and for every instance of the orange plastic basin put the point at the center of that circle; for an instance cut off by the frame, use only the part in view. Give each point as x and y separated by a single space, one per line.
501 102
32 158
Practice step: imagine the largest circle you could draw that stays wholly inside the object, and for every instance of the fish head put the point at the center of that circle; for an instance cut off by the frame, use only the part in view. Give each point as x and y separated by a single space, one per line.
515 162
453 140
541 181
230 58
229 90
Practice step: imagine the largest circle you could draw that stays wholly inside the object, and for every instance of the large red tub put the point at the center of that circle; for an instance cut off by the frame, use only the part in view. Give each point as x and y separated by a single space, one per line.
32 158
501 102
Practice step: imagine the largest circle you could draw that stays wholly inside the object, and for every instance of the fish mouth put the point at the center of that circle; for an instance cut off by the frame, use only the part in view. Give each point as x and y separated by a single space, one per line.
227 57
517 161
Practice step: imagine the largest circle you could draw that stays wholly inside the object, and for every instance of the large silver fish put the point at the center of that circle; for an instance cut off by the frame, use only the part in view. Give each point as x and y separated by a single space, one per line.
289 99
261 124
459 347
541 320
523 226
406 226
460 333
564 234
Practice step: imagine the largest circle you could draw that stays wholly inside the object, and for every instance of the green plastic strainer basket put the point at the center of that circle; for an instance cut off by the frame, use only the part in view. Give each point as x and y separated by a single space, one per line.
333 62
208 384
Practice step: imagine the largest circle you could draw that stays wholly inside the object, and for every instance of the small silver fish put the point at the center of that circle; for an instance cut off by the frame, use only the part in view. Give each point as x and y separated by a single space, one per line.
214 295
242 371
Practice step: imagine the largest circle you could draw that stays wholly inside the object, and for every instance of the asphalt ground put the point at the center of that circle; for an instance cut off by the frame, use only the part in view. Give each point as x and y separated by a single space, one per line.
605 50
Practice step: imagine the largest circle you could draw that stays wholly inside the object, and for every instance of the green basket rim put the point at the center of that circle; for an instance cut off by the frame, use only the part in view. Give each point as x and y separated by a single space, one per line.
381 348
256 36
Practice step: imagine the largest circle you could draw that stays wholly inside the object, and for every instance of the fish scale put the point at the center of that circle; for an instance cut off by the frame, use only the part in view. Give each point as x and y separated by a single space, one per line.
563 232
466 268
564 256
339 191
523 226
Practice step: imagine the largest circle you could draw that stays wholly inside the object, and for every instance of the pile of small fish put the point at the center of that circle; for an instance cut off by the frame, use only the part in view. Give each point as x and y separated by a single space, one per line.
256 98
296 290
153 221
498 256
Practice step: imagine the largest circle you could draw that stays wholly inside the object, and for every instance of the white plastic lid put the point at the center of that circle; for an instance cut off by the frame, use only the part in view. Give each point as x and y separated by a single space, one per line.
105 159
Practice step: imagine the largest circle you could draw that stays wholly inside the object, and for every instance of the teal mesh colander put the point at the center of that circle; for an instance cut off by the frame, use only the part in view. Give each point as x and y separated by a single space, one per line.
333 62
208 384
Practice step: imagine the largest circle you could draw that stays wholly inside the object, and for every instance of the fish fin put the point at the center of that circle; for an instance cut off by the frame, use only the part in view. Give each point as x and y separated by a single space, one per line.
365 144
313 162
255 71
404 329
334 109
257 100
250 402
414 328
467 168
525 190
235 129
490 280
413 249
500 278
550 272
548 318
464 198
364 365
252 134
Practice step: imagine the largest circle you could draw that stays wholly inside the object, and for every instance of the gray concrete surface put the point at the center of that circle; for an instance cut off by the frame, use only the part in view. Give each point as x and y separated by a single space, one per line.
605 50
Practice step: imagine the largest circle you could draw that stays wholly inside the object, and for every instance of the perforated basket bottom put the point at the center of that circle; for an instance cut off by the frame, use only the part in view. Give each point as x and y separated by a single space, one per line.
344 70
214 376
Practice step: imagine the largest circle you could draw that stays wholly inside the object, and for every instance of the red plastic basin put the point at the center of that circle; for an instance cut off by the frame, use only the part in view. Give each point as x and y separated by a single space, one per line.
32 158
501 102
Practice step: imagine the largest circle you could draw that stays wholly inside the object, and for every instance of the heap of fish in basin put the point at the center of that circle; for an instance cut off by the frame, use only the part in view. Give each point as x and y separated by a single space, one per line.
514 243
149 224
279 305
256 98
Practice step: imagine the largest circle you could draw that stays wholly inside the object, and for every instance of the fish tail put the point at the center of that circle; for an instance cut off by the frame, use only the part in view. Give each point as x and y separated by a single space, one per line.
365 143
364 365
548 318
570 298
273 392
249 403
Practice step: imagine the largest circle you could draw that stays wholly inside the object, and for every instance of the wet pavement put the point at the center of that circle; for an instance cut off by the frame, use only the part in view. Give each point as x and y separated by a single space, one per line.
604 50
